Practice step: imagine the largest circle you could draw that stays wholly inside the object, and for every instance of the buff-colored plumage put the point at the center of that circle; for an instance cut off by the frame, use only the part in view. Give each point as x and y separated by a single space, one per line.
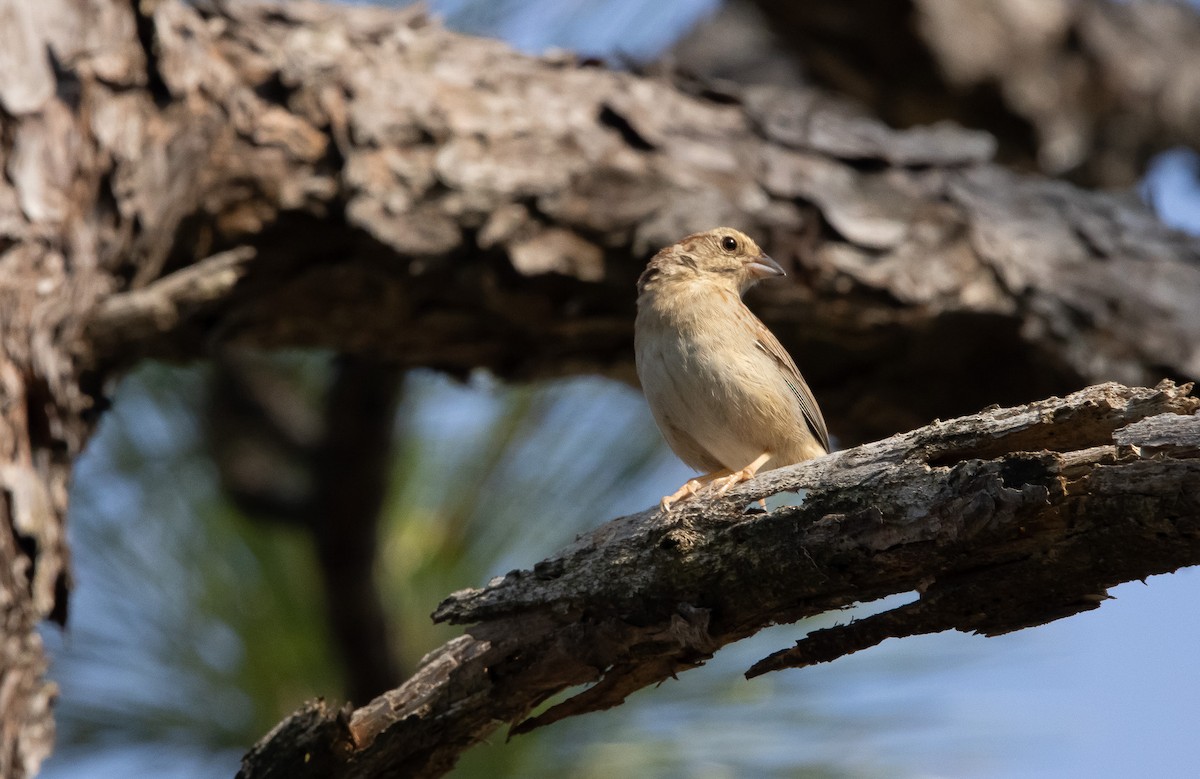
725 394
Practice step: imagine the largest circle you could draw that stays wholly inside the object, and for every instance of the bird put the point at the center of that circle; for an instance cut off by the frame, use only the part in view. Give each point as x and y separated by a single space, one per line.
726 395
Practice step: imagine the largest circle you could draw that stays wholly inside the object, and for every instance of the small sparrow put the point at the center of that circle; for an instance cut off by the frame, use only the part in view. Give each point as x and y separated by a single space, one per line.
725 393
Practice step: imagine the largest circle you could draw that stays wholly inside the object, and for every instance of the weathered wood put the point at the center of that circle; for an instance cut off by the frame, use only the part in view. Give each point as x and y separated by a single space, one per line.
445 201
1009 518
1090 89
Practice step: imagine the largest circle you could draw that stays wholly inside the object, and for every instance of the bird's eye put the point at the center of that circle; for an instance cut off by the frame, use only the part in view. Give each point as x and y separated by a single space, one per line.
729 243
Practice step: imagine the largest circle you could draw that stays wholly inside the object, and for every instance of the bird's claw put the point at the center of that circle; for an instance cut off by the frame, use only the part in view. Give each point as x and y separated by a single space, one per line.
683 493
726 483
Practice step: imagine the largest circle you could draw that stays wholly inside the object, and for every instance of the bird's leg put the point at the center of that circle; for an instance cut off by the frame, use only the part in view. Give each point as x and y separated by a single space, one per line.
691 488
723 484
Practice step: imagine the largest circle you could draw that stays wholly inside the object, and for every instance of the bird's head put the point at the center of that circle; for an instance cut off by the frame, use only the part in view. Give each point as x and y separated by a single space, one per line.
723 256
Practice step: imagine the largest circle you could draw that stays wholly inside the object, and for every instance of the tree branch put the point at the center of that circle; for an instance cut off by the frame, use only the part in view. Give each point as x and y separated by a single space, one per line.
1090 89
445 201
1002 520
145 313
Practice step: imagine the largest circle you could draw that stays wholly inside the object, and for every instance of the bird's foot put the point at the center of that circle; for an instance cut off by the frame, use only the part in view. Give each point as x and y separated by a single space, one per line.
689 489
724 484
683 493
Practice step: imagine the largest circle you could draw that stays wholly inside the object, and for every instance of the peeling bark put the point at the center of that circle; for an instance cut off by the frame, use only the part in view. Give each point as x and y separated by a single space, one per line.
441 200
1090 89
999 521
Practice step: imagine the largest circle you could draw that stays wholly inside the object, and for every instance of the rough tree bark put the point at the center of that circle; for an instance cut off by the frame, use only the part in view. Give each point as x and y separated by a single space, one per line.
1006 519
442 201
177 176
1090 89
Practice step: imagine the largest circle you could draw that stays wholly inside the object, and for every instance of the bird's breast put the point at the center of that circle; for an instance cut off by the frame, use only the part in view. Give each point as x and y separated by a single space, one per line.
718 399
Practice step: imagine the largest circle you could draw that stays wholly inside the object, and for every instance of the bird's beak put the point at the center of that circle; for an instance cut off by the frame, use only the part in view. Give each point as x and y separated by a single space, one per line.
764 267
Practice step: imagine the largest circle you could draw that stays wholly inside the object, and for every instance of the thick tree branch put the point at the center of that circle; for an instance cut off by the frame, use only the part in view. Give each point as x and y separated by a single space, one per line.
442 200
1087 88
998 521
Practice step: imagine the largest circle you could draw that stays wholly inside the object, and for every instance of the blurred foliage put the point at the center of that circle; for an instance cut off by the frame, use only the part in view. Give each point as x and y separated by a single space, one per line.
488 479
190 628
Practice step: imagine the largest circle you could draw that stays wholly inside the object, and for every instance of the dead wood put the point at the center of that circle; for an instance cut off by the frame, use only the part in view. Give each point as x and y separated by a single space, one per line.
1006 519
1088 89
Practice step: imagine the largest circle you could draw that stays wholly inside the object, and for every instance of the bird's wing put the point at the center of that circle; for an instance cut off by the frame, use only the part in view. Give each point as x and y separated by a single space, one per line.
767 341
